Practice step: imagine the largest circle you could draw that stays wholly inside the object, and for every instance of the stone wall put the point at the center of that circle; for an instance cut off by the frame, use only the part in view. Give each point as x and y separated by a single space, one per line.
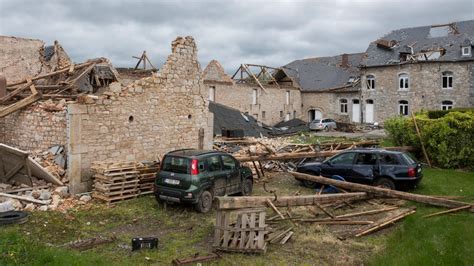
328 103
425 87
143 120
34 128
271 107
22 58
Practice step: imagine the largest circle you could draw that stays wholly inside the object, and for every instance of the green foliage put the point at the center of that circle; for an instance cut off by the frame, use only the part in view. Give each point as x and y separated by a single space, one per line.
449 140
435 114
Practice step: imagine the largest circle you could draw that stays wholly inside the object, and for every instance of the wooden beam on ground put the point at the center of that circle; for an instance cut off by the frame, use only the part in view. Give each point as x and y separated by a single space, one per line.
366 212
448 211
284 201
384 222
25 199
285 156
383 192
270 204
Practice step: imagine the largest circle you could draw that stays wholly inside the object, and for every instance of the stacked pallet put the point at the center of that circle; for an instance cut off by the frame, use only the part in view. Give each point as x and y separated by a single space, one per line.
147 173
115 181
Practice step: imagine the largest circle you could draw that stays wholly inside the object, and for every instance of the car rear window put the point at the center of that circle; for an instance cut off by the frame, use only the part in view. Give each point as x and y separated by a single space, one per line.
389 159
409 159
176 164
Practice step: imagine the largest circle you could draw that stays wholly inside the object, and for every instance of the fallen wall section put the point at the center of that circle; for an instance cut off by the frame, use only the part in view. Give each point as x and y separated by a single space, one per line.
143 120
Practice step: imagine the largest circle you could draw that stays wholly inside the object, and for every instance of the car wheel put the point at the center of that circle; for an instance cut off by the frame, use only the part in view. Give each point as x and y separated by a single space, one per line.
247 187
309 184
384 182
204 204
326 128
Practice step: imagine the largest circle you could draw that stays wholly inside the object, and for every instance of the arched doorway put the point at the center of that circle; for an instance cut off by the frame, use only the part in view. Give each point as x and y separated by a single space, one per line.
314 114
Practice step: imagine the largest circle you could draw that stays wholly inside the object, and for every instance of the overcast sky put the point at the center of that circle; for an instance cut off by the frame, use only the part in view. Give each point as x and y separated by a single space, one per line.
233 32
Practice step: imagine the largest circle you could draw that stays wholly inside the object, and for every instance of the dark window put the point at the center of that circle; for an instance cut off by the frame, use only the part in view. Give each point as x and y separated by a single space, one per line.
403 81
403 107
345 158
447 80
213 163
446 105
389 159
343 103
229 163
176 164
366 159
370 82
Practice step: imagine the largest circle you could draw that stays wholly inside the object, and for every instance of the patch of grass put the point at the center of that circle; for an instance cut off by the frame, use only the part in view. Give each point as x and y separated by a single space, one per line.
444 240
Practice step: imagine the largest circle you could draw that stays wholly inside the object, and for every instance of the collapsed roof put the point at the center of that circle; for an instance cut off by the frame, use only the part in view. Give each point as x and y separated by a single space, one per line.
319 74
426 43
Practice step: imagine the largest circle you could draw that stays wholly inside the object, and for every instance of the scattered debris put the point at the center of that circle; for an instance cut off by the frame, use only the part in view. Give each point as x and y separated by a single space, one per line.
89 243
196 258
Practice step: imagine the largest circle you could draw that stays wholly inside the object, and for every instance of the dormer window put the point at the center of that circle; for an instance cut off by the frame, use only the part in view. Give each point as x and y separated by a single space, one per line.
466 51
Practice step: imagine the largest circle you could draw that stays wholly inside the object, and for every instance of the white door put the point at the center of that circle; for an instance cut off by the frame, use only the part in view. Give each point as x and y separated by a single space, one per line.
369 111
355 111
318 114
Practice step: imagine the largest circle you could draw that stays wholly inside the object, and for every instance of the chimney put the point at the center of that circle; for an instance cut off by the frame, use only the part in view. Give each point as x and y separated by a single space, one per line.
3 85
345 60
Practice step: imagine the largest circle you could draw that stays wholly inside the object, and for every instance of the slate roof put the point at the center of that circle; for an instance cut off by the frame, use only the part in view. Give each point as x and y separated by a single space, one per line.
324 73
229 118
422 39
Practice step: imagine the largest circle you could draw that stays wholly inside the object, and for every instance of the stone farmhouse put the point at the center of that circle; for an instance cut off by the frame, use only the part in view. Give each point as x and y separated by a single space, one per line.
412 69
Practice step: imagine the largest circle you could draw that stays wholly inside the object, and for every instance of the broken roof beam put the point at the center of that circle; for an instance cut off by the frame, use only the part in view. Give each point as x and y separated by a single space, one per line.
16 91
35 96
253 76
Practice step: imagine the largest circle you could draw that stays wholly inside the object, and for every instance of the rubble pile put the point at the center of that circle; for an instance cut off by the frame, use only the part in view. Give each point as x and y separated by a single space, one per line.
54 161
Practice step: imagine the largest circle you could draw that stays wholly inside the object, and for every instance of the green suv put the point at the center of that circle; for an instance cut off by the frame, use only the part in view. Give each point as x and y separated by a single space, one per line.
196 176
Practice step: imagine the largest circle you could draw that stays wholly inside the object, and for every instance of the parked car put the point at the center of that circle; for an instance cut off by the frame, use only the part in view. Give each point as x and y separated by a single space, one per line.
322 124
197 176
389 169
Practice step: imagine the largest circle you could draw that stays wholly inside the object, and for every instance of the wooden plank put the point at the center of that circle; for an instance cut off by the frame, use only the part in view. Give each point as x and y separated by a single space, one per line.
14 170
250 243
384 192
329 222
13 150
366 212
217 229
16 92
421 141
384 222
284 201
448 211
286 238
277 237
270 204
285 156
261 234
20 104
324 210
25 199
38 171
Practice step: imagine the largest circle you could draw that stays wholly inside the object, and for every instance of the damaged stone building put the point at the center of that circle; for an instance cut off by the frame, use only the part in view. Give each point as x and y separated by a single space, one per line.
421 68
269 95
114 121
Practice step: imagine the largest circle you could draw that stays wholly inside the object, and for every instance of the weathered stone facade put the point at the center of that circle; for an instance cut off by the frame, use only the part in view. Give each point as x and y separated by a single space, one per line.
143 120
269 106
25 58
34 128
425 90
329 105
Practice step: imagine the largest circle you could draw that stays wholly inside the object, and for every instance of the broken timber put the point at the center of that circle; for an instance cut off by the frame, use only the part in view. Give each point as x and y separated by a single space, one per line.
384 192
285 201
286 156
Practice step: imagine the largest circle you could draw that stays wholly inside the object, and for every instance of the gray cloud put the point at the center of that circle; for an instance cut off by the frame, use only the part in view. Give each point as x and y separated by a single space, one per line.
233 32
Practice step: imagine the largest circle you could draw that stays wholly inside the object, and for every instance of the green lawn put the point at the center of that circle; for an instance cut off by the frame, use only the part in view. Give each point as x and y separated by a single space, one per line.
443 240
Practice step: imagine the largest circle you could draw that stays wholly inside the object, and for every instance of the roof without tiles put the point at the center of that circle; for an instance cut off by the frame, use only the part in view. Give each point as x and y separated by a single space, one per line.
449 38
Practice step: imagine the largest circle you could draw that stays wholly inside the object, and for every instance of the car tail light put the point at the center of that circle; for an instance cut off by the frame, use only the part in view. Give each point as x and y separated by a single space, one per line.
411 172
194 167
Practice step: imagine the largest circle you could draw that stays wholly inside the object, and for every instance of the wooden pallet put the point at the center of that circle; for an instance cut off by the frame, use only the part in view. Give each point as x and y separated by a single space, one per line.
112 187
115 198
246 234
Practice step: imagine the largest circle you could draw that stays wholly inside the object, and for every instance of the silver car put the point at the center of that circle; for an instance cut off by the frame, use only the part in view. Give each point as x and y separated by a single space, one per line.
322 124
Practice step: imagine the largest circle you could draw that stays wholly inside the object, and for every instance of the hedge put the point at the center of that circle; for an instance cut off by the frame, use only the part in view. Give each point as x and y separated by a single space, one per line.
449 139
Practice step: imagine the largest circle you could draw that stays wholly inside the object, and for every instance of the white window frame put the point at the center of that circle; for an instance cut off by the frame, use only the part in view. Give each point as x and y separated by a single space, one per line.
370 82
254 96
403 108
212 93
448 75
403 78
447 106
466 48
287 97
343 103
